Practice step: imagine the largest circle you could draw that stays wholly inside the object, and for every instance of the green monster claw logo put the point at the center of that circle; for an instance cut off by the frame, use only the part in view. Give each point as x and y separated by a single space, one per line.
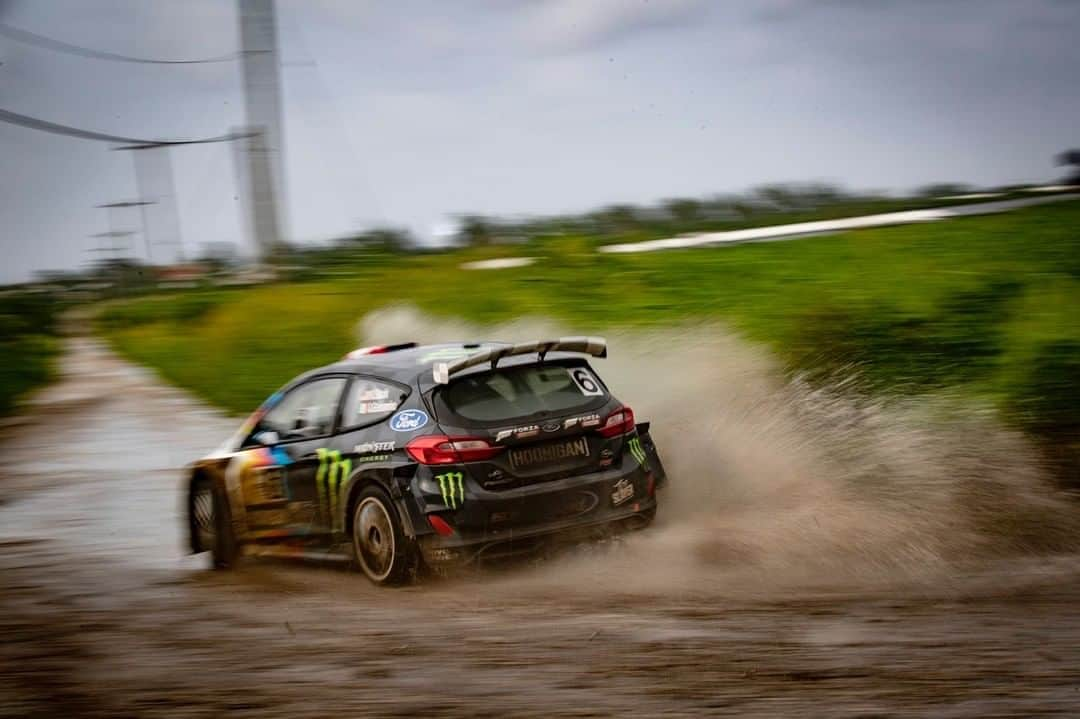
452 485
639 452
330 487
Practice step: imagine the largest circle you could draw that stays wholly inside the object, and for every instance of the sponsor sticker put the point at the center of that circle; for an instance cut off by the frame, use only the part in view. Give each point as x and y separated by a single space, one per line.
370 447
330 479
585 382
374 394
375 407
452 486
408 420
529 430
589 420
543 453
621 492
638 451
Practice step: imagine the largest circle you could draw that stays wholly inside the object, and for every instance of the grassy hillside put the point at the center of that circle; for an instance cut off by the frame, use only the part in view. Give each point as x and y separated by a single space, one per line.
988 304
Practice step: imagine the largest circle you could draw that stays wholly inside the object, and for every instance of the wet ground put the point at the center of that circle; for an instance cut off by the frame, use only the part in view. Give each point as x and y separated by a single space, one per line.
101 613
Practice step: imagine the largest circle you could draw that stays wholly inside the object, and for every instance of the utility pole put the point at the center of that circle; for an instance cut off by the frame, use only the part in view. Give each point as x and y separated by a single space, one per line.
261 154
113 209
154 179
112 247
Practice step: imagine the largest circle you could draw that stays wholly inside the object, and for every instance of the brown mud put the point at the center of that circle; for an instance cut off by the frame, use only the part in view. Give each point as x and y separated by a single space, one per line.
817 553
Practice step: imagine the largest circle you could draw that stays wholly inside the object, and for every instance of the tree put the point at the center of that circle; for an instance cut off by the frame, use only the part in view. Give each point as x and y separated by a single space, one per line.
1071 157
683 209
475 231
944 189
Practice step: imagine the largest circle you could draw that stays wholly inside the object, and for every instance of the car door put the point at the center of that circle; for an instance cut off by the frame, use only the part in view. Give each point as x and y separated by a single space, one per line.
360 439
297 433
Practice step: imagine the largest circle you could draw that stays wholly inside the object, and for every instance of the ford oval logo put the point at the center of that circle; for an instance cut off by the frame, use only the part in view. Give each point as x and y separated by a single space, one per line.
408 420
581 503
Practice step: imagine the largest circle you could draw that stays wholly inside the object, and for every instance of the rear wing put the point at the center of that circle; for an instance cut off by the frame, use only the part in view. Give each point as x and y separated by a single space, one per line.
593 346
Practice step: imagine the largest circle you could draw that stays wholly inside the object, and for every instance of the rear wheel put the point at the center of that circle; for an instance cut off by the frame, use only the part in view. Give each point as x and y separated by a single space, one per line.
380 547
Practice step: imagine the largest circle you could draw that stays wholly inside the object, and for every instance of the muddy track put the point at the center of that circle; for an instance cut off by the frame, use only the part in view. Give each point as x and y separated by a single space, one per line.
101 613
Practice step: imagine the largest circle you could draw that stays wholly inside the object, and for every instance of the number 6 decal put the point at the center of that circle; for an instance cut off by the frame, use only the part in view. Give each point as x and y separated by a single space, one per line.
585 382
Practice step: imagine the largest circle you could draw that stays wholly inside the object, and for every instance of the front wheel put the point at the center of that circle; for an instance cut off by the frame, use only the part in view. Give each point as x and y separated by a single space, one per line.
210 523
380 547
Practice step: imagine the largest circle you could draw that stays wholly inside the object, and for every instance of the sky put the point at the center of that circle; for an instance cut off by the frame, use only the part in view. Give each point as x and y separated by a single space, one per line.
409 113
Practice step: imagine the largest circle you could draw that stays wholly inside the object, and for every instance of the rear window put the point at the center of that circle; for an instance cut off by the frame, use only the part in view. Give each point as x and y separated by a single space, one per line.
517 392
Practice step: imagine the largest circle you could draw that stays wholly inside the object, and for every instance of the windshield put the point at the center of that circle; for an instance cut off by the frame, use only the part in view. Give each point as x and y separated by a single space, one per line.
517 392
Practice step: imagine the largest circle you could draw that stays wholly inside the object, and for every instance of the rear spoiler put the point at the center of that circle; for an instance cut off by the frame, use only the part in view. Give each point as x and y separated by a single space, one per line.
594 346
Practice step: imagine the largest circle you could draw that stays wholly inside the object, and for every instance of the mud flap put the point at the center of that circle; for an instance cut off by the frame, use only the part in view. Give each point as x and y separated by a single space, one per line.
650 451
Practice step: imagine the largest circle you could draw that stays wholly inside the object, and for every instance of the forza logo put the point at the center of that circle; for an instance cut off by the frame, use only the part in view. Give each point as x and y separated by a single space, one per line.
452 486
638 451
330 477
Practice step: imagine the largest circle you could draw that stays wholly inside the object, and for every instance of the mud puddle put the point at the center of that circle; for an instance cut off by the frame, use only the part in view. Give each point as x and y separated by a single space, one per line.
816 553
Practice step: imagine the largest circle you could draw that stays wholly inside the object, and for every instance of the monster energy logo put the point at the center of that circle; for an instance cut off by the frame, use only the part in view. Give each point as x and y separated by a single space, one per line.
330 486
638 451
452 485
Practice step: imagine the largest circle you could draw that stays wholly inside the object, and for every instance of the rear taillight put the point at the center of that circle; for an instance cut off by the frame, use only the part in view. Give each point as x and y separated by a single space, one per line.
618 422
440 449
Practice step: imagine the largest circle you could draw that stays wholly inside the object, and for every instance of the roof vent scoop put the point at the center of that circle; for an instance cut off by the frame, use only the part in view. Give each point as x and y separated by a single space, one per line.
378 350
593 346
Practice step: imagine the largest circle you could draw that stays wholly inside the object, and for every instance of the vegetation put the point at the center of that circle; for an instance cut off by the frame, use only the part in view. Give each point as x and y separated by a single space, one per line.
28 345
986 305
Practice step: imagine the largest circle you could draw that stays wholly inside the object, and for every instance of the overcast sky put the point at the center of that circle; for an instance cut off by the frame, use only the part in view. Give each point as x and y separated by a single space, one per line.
407 112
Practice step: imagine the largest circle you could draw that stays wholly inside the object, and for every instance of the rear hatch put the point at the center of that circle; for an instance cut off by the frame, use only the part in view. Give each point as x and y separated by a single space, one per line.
543 418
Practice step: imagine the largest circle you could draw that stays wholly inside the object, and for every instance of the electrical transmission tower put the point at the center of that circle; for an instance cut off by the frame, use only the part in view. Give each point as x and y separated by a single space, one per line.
261 155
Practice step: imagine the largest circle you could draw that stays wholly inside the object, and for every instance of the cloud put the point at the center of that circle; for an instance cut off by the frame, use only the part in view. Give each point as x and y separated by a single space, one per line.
574 25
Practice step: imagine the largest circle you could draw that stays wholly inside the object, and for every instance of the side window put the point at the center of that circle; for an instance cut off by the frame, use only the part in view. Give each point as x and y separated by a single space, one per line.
369 401
306 411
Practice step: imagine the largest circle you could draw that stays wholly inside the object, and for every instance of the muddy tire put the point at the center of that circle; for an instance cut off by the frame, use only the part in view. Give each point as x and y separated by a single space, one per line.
380 548
210 526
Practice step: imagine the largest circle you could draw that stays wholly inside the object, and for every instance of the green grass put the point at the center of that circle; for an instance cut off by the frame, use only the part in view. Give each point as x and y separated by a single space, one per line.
28 346
976 303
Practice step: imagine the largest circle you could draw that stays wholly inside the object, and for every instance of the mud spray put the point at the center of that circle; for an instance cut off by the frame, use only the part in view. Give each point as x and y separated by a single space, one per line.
777 484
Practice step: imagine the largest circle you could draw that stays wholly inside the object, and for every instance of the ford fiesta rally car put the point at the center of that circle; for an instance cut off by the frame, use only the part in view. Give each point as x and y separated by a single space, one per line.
440 454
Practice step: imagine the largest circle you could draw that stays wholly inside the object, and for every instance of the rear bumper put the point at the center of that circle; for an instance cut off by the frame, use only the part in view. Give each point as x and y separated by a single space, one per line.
520 521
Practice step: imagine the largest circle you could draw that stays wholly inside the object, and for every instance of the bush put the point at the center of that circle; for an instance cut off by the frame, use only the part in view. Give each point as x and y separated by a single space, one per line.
26 347
1047 405
959 341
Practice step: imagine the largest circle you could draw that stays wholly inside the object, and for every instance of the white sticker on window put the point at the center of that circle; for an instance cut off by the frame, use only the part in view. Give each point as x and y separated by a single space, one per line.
373 394
376 407
586 382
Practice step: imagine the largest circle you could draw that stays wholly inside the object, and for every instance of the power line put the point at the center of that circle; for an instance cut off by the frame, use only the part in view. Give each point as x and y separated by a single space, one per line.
30 38
34 123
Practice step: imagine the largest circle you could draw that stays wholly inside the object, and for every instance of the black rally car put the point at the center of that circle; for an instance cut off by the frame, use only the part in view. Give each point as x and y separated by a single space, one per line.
443 454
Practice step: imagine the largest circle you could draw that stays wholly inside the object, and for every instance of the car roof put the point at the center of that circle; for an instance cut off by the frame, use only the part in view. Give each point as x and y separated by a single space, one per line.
408 364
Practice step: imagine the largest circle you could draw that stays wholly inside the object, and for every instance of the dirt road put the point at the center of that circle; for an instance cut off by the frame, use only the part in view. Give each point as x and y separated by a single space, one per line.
101 613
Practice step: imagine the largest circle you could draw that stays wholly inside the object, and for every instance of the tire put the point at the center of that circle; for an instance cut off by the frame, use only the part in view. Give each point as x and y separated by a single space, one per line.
380 548
210 525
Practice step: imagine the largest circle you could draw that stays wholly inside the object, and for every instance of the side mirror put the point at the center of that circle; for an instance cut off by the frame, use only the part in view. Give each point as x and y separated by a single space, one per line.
267 438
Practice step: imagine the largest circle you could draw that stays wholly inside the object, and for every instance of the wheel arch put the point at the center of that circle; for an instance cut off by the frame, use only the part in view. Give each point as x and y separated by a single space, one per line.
381 477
